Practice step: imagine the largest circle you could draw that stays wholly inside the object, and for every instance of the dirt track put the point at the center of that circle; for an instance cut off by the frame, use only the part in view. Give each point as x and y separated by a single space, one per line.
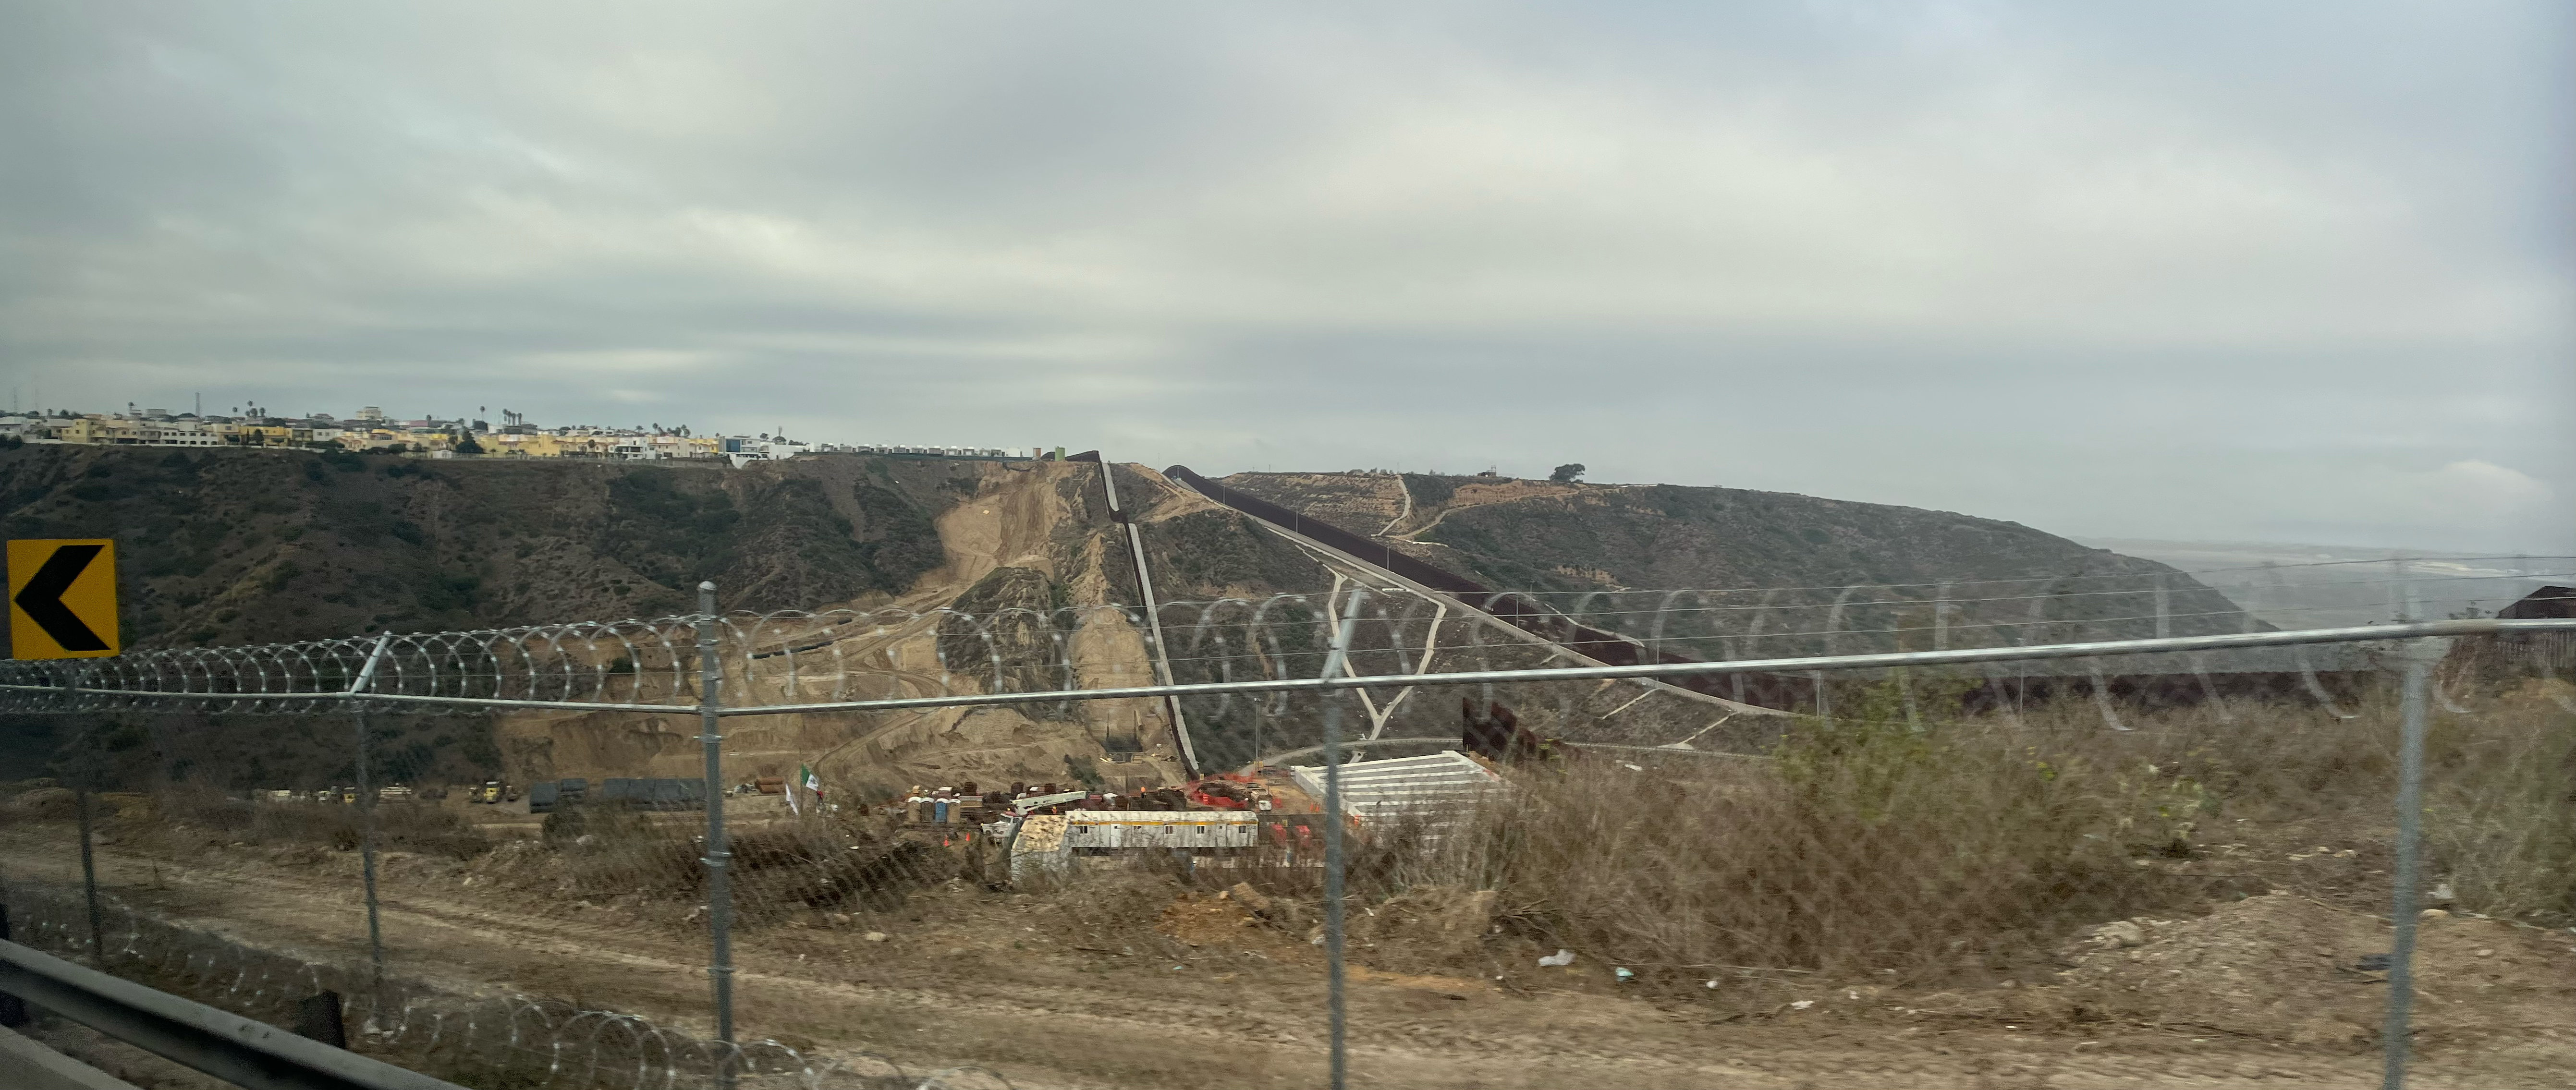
1012 984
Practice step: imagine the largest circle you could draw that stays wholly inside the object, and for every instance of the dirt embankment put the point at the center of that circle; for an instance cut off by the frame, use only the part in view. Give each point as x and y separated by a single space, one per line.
2288 968
1015 519
1043 525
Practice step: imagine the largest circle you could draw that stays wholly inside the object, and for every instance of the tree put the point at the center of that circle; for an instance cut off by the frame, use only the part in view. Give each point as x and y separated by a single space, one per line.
465 444
1567 472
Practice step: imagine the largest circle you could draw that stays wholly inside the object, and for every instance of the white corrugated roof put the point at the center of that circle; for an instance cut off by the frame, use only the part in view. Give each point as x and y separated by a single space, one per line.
1379 790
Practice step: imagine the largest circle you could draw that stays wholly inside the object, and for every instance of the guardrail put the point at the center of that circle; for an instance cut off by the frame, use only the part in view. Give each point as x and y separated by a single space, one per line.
227 1046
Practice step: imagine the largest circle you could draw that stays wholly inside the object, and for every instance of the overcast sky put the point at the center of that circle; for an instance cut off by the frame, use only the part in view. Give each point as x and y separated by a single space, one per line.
2285 272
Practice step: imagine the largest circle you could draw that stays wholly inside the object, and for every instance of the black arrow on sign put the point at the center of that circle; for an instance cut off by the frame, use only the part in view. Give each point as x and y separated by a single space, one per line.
42 598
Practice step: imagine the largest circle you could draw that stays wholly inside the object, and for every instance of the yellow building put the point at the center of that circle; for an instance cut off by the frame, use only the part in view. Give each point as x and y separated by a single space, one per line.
98 430
269 435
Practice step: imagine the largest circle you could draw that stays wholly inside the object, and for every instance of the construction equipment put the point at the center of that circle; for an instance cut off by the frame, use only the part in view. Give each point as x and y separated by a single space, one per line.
489 794
1228 791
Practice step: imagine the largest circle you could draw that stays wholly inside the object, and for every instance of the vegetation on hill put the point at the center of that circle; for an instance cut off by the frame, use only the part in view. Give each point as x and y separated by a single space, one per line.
221 547
229 547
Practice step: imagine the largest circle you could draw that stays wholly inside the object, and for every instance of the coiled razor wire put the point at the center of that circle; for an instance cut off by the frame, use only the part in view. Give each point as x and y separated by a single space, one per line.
793 657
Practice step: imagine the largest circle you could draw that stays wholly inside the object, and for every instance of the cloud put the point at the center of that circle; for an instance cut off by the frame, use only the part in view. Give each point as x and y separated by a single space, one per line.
2472 488
2016 258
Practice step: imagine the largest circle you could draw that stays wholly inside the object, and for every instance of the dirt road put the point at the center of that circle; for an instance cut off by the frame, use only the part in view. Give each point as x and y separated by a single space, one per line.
1051 996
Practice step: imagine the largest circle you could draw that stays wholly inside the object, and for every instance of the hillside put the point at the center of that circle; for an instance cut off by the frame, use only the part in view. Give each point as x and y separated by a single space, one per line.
1580 538
228 547
223 547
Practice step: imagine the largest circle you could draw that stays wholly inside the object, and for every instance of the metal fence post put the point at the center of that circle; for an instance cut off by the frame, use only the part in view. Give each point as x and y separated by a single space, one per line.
89 880
320 1017
367 860
1336 1004
719 889
2419 656
367 831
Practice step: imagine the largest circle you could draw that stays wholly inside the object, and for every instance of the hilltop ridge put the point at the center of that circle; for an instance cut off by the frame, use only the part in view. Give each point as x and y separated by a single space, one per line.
1574 538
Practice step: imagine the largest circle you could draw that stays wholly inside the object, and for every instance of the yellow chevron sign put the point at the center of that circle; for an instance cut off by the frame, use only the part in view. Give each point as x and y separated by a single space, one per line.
62 599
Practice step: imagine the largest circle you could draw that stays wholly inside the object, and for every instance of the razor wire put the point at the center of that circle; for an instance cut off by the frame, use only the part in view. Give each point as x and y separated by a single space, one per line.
791 657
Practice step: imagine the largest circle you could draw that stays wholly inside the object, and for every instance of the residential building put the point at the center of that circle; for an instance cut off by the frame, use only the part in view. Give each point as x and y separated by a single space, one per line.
373 430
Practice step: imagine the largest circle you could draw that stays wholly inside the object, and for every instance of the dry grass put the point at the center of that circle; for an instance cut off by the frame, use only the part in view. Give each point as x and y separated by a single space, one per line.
1857 849
834 862
1974 845
609 849
2500 812
820 862
417 829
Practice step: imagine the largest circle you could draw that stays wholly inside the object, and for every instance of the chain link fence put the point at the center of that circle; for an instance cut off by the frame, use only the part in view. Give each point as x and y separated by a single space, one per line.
1384 835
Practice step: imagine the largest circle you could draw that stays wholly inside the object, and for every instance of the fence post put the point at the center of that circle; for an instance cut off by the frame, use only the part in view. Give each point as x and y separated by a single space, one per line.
367 860
89 880
719 889
2419 656
367 833
1337 1007
319 1017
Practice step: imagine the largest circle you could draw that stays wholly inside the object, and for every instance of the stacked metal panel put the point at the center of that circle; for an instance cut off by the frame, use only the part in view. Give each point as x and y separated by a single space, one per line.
1430 788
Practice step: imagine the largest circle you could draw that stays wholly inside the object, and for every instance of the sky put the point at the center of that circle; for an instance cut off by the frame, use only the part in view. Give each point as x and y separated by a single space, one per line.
2295 272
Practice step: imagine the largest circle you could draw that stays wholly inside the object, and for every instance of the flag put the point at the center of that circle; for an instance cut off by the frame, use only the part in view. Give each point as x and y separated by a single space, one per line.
805 776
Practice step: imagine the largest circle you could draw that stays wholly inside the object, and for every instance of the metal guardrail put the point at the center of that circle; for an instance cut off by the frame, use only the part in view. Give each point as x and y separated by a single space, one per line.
227 1046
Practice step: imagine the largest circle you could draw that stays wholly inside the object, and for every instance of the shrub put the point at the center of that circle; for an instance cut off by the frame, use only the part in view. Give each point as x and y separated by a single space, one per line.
1858 847
619 850
2500 812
